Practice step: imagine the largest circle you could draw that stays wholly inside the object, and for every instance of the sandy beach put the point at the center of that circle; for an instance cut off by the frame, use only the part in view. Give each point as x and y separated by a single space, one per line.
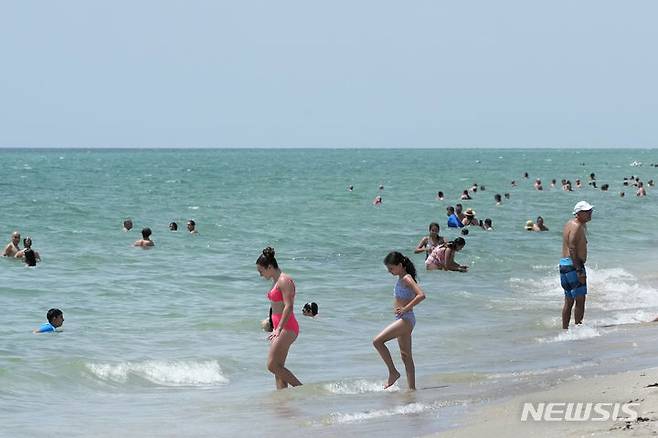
637 387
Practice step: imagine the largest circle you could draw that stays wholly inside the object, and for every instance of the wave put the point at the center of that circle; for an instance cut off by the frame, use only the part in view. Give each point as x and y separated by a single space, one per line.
166 373
609 289
413 408
575 333
359 387
544 371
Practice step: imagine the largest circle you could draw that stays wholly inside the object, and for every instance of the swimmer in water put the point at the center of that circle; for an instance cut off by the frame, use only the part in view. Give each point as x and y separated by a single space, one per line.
539 225
145 241
127 224
310 309
55 320
12 247
173 226
28 255
377 201
431 241
191 227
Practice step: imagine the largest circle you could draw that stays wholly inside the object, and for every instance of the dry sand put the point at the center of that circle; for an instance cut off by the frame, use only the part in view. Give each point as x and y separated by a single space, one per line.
503 419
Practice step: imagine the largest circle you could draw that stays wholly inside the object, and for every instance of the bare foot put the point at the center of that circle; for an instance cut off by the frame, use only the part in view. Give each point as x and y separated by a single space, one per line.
392 378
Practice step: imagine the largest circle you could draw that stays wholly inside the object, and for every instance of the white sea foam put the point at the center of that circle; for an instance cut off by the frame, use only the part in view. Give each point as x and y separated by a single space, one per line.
611 289
413 408
544 371
575 333
359 387
167 373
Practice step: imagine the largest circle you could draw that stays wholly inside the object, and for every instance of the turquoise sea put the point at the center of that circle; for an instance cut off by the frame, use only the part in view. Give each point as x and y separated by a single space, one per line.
167 342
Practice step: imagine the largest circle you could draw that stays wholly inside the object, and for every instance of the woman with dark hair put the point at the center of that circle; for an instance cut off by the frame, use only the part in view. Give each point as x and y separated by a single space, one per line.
431 241
407 294
443 257
29 256
285 328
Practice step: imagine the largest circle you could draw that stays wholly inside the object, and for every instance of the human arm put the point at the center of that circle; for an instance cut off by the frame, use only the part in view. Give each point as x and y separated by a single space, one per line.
451 265
421 247
44 328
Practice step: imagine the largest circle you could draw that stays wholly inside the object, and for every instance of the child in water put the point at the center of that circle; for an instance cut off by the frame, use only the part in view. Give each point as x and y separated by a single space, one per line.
407 295
55 320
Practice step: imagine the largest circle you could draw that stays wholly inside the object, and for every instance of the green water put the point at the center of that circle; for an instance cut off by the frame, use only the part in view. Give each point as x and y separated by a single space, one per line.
168 339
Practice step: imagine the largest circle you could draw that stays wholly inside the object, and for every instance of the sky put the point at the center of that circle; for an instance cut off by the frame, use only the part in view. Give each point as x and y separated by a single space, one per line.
162 73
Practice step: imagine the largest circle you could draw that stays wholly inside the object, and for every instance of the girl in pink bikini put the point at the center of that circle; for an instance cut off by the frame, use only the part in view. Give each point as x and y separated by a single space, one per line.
285 327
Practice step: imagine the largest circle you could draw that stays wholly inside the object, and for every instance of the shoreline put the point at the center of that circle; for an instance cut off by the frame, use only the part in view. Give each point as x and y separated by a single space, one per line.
503 418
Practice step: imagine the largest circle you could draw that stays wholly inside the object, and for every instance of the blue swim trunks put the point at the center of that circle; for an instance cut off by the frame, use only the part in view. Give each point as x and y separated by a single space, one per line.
569 279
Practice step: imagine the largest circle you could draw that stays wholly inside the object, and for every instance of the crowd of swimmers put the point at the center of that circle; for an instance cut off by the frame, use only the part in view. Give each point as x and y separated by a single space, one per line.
146 242
407 293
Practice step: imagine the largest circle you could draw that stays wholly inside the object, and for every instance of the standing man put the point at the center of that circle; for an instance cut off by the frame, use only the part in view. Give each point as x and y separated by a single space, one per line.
573 276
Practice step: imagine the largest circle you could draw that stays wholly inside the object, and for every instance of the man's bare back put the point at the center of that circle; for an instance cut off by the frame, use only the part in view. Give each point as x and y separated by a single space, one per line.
574 242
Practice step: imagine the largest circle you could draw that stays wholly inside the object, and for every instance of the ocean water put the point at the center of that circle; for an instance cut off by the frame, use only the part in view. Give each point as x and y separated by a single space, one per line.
167 342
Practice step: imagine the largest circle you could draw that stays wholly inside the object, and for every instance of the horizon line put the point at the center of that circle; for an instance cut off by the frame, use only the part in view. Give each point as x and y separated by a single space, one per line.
588 147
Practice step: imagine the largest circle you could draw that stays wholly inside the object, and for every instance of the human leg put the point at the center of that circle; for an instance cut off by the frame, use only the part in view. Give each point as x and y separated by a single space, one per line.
394 330
566 311
277 359
404 342
579 311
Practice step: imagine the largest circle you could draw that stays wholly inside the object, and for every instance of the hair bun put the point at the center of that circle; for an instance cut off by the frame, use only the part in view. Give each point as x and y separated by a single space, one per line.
269 252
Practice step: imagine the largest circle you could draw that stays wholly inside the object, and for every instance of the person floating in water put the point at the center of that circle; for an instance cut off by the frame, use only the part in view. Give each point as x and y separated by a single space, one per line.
127 224
145 241
55 320
377 201
28 255
173 226
407 294
191 227
470 218
12 247
310 309
539 225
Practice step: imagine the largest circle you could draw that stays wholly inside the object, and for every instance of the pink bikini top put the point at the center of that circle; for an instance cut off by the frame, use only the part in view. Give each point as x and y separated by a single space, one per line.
276 295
